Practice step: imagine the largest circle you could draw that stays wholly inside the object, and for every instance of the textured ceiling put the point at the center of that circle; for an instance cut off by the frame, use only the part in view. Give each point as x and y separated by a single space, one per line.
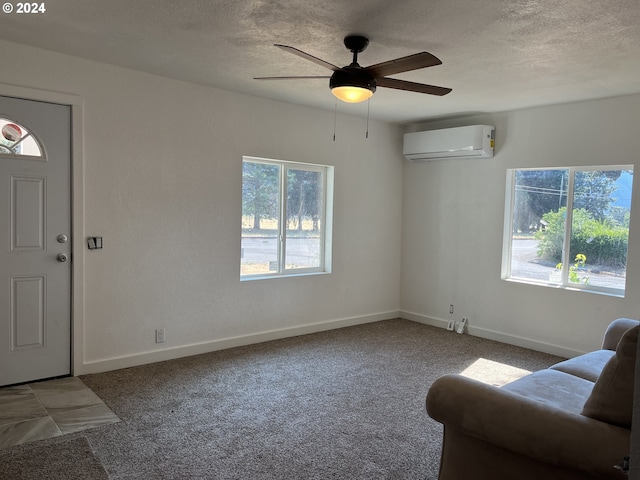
497 54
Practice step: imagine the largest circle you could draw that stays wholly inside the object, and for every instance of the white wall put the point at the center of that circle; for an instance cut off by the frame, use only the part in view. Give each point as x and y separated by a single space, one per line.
162 185
453 214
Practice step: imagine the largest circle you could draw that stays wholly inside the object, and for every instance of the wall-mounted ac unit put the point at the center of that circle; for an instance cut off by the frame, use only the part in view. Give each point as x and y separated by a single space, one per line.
461 142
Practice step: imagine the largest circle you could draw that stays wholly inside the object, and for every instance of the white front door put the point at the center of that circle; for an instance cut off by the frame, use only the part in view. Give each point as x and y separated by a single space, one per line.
35 243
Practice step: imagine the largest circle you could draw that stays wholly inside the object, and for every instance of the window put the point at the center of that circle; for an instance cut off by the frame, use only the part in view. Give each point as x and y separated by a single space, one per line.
286 218
16 140
568 227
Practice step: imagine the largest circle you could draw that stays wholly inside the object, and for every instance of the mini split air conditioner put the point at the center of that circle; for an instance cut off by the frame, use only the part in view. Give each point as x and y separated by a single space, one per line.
475 141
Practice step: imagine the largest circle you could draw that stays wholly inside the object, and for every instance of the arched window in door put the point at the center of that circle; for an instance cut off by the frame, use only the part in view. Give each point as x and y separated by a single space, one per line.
17 141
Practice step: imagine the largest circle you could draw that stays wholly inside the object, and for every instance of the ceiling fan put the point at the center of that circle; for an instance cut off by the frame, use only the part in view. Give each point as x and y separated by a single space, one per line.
354 83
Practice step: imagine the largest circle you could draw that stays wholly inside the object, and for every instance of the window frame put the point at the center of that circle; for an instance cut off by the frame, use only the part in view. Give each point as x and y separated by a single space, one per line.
326 219
566 261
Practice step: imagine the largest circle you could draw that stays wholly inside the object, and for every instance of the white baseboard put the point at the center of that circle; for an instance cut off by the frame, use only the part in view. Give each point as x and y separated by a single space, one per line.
416 317
497 336
126 361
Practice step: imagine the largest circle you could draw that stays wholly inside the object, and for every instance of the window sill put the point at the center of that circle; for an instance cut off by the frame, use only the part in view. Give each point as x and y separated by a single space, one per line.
607 292
267 276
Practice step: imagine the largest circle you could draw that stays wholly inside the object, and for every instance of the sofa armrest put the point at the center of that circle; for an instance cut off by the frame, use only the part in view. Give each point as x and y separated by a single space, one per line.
518 424
614 332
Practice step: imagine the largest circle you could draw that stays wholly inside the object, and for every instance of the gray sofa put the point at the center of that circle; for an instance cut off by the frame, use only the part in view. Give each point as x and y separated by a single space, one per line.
570 421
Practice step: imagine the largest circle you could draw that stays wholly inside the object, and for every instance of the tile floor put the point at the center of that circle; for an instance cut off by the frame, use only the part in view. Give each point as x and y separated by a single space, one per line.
48 409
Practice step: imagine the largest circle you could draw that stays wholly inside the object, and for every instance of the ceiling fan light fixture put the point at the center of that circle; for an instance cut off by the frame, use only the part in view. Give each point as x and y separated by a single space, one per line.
352 87
351 94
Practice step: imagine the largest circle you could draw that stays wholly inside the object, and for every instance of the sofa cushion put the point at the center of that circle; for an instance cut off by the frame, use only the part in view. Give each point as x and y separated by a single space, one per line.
553 388
615 330
611 400
587 366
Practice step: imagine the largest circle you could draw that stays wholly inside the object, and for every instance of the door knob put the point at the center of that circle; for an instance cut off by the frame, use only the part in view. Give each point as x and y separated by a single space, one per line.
62 257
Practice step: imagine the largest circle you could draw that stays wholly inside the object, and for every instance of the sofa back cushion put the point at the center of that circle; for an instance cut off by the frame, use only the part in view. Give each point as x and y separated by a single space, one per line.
611 399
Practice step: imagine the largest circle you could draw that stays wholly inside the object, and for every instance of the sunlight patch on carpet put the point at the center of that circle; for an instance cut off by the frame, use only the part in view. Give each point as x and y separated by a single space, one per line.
493 373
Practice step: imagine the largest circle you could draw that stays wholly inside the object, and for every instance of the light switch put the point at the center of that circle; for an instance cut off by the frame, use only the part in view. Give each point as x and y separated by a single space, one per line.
94 243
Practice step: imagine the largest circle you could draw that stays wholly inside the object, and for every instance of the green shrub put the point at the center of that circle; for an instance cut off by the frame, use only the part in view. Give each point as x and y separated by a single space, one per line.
603 242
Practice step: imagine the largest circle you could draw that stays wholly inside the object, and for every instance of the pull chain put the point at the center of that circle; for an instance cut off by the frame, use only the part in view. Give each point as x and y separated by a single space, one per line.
335 113
368 108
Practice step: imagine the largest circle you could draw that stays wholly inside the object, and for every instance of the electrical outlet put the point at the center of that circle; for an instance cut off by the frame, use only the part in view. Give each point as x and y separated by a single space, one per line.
451 325
160 335
451 309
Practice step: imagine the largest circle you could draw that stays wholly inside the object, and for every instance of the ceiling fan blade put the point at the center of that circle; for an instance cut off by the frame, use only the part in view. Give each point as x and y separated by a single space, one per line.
411 86
302 54
291 78
404 64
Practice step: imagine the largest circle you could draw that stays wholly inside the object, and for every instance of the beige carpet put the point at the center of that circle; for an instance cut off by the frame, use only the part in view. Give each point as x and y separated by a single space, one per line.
343 404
